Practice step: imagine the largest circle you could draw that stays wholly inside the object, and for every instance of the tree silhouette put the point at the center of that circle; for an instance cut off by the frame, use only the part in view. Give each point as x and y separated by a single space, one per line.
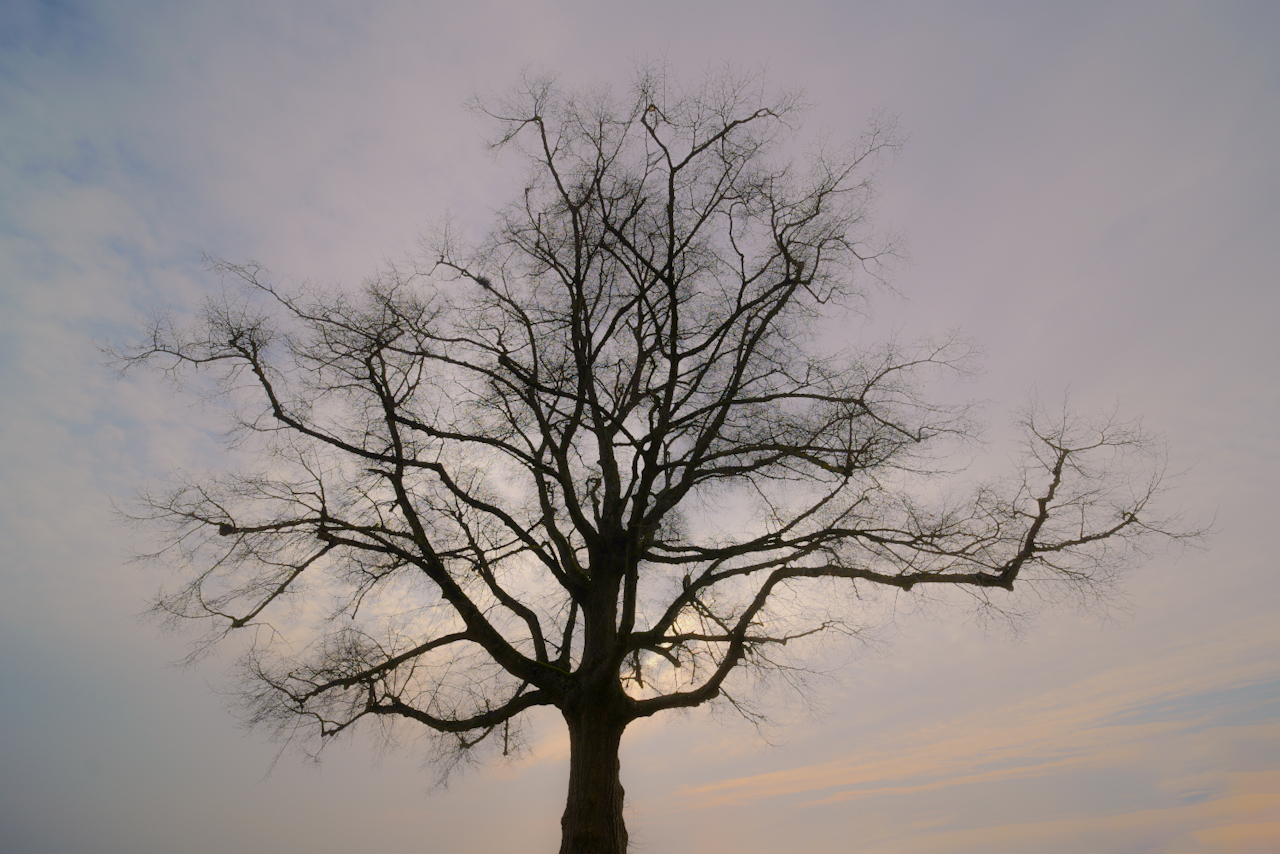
490 482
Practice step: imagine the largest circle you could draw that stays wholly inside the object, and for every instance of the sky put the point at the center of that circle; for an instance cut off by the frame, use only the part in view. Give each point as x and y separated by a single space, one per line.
1090 190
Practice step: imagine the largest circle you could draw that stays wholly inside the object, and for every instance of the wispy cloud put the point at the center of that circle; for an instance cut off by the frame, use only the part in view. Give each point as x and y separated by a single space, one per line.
1209 704
1234 824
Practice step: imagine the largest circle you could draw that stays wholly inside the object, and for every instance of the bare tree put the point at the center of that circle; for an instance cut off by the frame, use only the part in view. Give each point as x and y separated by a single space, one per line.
489 483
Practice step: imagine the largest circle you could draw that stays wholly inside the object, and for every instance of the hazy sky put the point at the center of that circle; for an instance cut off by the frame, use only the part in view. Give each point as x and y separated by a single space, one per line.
1090 190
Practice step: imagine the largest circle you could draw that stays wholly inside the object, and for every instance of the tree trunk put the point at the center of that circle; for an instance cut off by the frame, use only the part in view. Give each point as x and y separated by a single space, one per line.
592 822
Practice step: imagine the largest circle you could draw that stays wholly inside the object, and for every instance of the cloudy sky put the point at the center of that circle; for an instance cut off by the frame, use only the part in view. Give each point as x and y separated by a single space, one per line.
1090 190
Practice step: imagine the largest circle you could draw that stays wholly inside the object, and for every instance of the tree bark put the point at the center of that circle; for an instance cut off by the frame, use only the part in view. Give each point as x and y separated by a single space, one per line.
592 822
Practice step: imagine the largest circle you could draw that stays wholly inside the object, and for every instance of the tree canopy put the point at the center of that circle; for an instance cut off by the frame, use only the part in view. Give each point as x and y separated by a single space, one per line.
611 459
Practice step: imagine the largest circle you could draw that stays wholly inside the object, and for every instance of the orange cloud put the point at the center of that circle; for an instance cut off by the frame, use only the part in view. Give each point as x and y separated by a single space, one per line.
1181 712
